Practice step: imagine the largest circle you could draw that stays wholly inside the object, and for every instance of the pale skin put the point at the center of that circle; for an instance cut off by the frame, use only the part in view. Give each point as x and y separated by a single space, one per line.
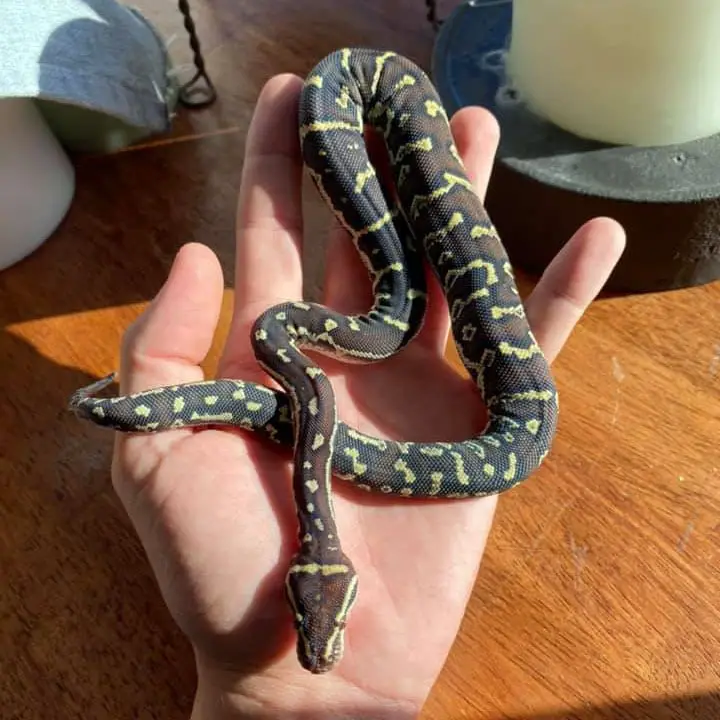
213 508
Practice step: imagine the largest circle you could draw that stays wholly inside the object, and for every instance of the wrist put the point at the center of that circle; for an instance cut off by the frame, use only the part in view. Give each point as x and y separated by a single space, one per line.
285 694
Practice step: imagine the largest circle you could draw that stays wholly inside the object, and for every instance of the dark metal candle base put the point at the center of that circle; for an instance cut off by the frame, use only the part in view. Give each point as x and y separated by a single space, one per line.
547 182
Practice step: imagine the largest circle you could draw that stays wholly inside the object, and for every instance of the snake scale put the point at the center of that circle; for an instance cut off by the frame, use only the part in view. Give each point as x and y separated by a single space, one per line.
429 213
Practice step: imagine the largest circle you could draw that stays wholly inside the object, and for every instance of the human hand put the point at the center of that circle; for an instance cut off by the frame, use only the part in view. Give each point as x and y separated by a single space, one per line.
214 508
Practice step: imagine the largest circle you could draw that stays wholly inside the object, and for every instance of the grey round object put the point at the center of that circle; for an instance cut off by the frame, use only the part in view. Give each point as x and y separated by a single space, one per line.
546 181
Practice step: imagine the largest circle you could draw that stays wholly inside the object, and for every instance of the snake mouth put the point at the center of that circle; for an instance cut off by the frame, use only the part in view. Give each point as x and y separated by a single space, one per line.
316 663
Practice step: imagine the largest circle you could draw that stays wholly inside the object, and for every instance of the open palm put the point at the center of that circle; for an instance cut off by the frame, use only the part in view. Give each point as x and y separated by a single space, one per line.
214 508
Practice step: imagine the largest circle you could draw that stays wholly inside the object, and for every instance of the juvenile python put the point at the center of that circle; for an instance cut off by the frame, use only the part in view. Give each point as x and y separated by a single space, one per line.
438 217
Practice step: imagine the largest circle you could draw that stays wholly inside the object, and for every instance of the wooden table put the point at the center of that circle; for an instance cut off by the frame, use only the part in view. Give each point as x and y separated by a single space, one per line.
598 596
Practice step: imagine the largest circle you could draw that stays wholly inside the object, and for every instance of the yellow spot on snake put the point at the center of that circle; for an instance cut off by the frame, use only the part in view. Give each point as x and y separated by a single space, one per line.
451 181
520 353
313 372
260 335
377 225
98 411
528 395
459 305
482 231
366 439
405 81
330 325
532 426
345 60
239 394
178 404
362 177
301 306
406 491
209 417
318 441
282 354
313 406
468 332
498 312
312 485
401 466
325 125
344 100
310 507
395 322
253 406
436 479
319 524
379 64
488 469
462 477
281 316
210 399
433 109
510 473
478 263
395 267
315 568
432 451
455 220
315 80
142 410
358 467
424 144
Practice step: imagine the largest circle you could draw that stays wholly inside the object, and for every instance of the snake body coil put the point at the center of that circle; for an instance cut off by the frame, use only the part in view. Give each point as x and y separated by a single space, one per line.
435 215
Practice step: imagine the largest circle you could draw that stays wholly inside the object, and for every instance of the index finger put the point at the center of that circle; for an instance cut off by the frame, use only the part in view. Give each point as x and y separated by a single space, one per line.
268 260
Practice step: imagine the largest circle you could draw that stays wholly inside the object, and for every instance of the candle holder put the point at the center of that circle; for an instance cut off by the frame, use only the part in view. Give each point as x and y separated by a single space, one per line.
547 182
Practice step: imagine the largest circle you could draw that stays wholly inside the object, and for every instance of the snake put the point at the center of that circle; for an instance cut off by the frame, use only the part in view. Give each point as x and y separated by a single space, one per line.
423 211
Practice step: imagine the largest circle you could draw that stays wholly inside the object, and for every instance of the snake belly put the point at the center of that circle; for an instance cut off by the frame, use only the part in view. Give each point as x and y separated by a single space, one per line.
431 214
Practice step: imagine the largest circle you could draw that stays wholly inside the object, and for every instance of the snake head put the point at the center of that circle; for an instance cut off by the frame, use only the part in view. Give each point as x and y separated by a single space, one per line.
321 595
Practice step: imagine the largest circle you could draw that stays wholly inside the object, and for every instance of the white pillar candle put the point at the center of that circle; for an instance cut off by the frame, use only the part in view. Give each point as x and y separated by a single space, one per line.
634 72
37 180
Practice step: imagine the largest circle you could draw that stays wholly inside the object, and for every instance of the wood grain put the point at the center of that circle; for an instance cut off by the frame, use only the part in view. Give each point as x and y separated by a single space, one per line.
598 596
